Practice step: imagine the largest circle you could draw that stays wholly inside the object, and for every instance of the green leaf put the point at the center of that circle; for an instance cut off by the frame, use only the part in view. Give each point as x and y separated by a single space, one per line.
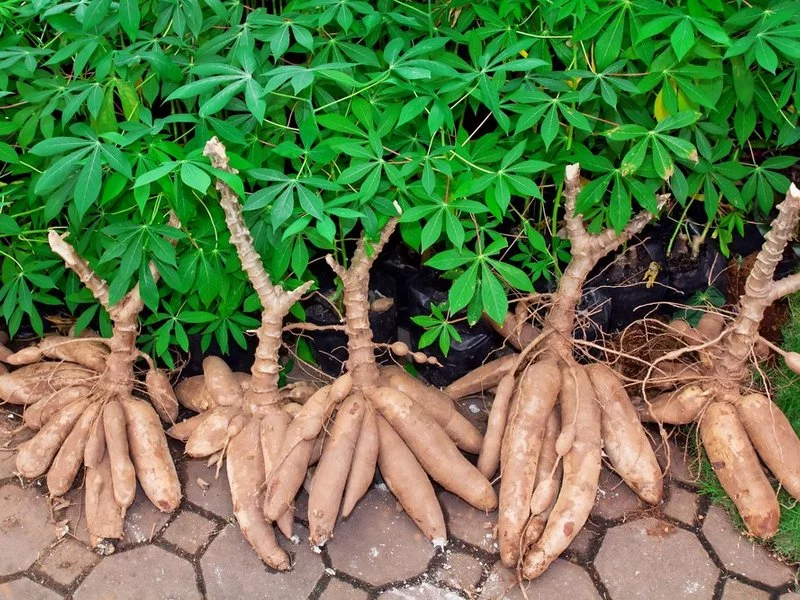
682 37
129 17
87 187
512 275
766 56
662 160
608 45
619 207
550 127
155 174
450 259
195 177
148 288
59 172
95 12
463 289
493 296
58 145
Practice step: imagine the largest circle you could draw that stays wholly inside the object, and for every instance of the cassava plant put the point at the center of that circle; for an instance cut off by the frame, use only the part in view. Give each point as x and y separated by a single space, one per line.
708 378
380 417
551 415
78 394
244 419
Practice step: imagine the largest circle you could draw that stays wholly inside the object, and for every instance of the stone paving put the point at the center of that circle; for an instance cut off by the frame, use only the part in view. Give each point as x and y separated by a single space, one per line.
682 549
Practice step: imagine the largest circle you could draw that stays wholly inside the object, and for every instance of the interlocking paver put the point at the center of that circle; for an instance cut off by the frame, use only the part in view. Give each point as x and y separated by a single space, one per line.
562 580
231 569
339 590
26 529
582 544
680 466
67 560
422 591
25 589
143 521
203 489
681 506
379 543
189 531
736 590
460 571
146 573
653 559
615 499
739 554
468 524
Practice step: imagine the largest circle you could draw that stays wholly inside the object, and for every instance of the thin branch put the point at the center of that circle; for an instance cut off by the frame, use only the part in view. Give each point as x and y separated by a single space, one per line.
363 262
80 267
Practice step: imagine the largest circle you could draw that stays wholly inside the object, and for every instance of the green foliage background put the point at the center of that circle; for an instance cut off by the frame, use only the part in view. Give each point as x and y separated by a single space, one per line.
340 113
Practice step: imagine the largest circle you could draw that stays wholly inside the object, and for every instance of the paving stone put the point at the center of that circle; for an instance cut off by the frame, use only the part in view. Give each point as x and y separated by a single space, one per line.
736 590
26 529
216 498
681 506
146 573
379 543
562 580
231 569
468 524
25 589
615 500
582 544
67 560
143 521
460 571
790 596
680 467
339 590
422 591
653 559
75 516
12 434
739 554
189 531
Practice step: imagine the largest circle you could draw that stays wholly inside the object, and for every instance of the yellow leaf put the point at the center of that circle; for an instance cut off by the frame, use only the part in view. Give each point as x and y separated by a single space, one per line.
659 110
523 53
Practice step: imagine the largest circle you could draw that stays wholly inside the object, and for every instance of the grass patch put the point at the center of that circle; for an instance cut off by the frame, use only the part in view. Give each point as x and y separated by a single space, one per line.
786 394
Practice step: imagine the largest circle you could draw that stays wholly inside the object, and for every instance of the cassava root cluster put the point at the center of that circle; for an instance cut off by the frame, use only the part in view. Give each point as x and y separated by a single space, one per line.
551 417
78 395
708 380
